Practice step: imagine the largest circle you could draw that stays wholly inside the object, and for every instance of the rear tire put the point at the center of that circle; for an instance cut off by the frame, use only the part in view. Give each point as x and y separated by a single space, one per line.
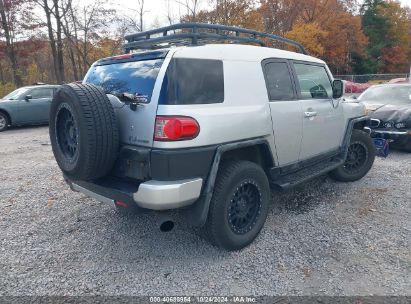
360 158
239 205
83 131
4 122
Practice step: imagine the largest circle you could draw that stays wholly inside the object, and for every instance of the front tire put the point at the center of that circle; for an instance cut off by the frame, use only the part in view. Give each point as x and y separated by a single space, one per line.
4 122
239 205
360 158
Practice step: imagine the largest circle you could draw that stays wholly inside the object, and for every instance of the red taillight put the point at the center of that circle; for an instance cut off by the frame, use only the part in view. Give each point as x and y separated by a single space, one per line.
169 128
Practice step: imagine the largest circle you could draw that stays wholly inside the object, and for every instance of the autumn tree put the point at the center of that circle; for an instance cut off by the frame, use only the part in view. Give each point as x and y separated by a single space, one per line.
60 44
279 16
311 36
395 55
10 11
54 11
84 26
387 26
241 13
328 28
191 7
136 24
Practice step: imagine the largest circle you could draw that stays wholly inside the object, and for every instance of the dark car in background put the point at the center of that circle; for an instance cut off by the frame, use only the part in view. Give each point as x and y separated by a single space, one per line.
389 105
26 106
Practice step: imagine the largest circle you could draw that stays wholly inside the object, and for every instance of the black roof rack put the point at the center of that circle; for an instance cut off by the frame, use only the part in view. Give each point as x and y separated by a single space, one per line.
198 33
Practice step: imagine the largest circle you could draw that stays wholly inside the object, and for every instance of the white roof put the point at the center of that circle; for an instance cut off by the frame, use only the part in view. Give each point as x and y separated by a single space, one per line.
238 52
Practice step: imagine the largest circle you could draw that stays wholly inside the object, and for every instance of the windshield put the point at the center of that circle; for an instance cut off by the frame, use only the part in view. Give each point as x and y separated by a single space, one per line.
16 94
136 77
396 95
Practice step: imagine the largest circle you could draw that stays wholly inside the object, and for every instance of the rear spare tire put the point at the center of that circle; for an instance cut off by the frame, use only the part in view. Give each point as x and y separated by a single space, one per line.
83 131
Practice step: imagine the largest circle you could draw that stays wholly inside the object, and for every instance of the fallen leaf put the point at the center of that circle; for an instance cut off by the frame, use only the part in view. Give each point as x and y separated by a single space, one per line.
50 203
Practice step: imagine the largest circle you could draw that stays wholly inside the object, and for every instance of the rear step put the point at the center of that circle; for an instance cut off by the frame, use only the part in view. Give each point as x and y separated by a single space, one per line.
292 179
107 189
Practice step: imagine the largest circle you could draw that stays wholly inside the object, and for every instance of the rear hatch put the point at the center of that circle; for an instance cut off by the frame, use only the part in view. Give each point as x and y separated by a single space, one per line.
132 75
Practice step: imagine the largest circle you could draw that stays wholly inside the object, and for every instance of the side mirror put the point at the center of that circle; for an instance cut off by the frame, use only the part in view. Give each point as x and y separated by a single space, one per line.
338 89
28 97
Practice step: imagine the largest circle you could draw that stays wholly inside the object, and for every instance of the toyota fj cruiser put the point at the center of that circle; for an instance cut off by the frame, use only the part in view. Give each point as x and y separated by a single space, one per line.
206 128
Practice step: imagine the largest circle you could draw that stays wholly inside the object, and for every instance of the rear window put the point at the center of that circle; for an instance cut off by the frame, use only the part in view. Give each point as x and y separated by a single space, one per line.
193 81
134 77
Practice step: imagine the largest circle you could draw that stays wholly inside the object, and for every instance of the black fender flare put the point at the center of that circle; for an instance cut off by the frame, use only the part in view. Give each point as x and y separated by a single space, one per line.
348 133
197 213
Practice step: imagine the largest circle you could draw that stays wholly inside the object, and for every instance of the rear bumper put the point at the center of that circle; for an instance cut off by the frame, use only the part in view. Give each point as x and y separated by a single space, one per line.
152 178
160 195
90 193
154 195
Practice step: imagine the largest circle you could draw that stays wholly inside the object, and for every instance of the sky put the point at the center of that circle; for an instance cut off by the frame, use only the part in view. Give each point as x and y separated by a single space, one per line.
156 10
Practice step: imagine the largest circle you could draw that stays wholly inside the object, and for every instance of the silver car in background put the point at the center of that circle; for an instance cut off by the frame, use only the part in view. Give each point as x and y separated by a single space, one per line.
26 106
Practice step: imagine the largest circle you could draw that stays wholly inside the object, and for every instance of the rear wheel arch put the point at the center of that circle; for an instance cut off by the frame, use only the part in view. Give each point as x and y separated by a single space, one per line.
259 154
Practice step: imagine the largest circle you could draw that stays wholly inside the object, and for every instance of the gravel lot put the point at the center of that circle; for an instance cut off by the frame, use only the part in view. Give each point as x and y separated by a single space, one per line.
324 238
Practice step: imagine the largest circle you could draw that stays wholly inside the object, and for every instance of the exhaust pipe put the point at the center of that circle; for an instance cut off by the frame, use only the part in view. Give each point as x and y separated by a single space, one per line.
166 226
165 223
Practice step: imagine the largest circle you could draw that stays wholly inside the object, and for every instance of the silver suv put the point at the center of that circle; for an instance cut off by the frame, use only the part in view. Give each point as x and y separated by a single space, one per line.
206 128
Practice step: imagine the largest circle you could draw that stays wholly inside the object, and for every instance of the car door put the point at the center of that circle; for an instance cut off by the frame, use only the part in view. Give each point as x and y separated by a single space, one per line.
285 110
323 118
37 107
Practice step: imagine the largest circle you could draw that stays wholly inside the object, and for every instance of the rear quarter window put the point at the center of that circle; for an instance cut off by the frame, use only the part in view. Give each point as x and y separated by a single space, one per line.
278 81
193 81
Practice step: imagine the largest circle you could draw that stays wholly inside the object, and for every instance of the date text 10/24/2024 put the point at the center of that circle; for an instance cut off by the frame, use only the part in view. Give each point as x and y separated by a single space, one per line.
203 299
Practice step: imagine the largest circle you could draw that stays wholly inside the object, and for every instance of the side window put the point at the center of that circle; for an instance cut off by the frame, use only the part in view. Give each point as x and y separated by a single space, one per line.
314 81
193 81
278 81
41 93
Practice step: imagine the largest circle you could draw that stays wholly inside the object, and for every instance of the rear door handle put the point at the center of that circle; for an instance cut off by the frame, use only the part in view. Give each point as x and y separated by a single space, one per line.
310 114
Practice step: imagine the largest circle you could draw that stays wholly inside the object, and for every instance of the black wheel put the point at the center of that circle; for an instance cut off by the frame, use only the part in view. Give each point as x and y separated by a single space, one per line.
360 158
239 206
4 122
83 131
